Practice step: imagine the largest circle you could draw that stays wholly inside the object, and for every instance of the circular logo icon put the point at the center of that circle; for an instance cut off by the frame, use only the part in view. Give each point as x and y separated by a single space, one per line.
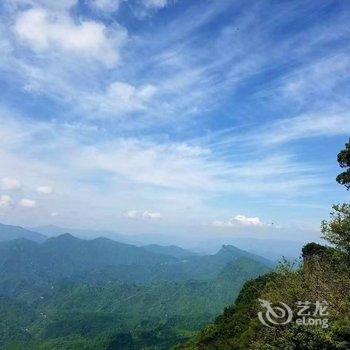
280 314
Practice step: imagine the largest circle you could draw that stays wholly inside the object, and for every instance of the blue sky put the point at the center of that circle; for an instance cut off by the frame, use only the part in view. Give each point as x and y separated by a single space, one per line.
173 116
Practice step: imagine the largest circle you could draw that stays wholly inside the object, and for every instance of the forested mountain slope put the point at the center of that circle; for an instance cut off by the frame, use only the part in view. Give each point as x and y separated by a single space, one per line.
69 293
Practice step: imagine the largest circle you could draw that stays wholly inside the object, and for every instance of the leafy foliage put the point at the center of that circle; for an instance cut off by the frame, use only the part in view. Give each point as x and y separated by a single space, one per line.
337 230
344 161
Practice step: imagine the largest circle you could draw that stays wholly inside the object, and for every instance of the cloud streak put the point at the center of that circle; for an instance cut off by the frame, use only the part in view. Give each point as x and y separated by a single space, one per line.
27 203
145 215
5 201
44 189
8 183
239 221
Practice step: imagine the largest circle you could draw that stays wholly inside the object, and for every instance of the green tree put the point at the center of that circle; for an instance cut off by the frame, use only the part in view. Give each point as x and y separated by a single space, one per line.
313 249
344 161
337 230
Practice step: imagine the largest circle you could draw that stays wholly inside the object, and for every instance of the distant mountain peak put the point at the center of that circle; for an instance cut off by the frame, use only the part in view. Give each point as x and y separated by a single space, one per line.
64 237
227 248
171 250
10 232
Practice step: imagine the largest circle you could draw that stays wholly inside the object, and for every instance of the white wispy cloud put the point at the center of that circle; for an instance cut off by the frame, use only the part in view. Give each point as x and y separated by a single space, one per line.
323 77
307 126
164 165
131 214
107 6
27 203
8 183
44 189
5 201
52 5
151 215
155 3
189 166
119 98
53 53
239 220
44 32
322 123
146 215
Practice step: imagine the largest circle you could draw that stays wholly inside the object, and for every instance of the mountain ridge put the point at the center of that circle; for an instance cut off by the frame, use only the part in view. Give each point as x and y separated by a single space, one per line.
10 232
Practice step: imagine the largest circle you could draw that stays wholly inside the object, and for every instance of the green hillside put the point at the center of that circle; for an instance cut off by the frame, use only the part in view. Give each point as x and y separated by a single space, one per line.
68 293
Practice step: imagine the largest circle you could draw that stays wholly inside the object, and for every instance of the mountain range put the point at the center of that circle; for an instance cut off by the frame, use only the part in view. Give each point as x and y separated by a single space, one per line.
272 248
69 257
71 293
